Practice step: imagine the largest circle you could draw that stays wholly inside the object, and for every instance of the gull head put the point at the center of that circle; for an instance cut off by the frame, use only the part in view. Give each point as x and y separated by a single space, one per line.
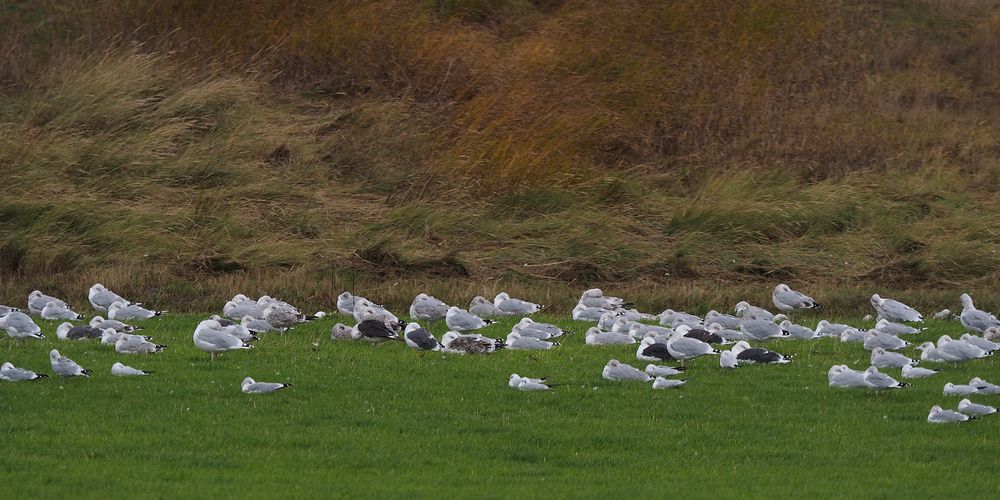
741 306
410 327
967 301
246 382
53 355
593 293
514 380
876 300
448 338
62 330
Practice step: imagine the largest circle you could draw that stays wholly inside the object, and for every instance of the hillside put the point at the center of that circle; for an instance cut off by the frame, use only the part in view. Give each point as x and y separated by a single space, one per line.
688 150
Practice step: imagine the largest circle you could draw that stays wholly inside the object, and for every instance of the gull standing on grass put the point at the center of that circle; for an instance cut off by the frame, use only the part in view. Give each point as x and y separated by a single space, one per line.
20 326
65 367
461 320
520 383
121 311
210 337
788 300
974 319
120 370
38 300
11 373
894 310
251 386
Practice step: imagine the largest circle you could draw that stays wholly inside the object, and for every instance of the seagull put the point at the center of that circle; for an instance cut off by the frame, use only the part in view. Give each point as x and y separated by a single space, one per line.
943 314
20 326
951 389
608 320
974 319
463 321
747 311
255 326
5 310
842 376
887 341
482 307
345 304
520 383
237 310
595 336
852 335
11 373
980 342
671 318
788 300
664 371
875 379
724 320
517 341
826 329
910 371
38 300
124 312
250 386
891 328
595 297
222 321
457 343
940 416
102 298
376 332
584 313
761 330
135 344
683 348
667 383
120 370
894 310
419 338
797 331
746 354
282 315
65 367
341 331
640 330
974 410
984 387
888 359
528 327
956 351
68 331
118 326
365 310
726 333
992 334
210 337
727 359
929 353
700 334
55 311
650 350
616 370
507 306
427 308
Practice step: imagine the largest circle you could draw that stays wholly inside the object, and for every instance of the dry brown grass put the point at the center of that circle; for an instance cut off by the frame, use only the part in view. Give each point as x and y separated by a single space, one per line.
840 143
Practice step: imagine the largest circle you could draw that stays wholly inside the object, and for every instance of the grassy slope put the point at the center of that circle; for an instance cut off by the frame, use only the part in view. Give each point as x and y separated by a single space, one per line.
377 421
837 144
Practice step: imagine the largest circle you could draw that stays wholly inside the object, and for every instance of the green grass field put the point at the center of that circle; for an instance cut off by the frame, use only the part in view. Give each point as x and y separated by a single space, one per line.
366 421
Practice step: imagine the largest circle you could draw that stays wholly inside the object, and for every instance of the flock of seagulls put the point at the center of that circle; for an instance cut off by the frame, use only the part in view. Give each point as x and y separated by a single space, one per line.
668 337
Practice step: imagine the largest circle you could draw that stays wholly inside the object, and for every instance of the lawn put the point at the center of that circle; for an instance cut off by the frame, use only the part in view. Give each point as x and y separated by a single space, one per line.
377 421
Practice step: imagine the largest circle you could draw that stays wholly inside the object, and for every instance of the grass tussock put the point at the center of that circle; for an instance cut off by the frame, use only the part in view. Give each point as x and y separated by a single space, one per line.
545 144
